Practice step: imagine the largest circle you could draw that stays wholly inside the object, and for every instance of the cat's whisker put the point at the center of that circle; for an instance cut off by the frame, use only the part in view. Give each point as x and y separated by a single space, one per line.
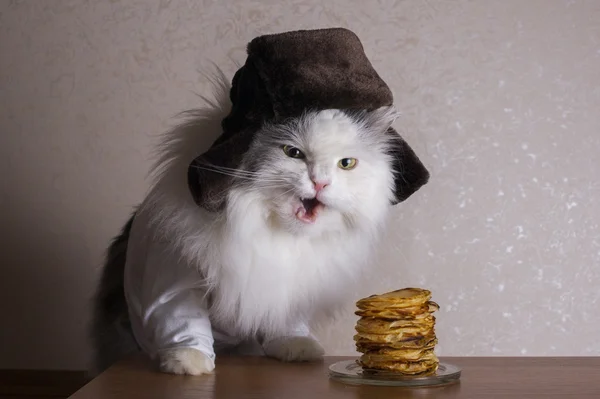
241 172
284 193
231 172
224 173
225 168
271 186
240 176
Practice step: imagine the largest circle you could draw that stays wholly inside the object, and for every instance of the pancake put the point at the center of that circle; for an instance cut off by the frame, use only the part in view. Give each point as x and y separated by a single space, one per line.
372 328
415 312
401 356
420 339
408 368
403 298
405 355
399 336
369 346
381 326
399 352
396 332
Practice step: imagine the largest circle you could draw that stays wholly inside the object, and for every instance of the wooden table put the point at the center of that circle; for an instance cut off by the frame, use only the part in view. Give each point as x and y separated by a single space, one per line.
246 378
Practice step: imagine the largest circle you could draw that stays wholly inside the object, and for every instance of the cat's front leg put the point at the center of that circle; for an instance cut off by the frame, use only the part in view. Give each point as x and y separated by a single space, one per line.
177 330
294 349
297 345
187 361
170 310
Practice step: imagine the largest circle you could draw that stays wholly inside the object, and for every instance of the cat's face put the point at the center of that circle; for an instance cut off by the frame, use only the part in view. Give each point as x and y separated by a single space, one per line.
323 172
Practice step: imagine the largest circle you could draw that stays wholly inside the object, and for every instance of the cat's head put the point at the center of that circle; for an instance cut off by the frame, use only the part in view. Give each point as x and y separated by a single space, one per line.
327 170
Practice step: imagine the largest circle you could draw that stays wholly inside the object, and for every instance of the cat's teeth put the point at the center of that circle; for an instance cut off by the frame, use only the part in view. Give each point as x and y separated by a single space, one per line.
304 217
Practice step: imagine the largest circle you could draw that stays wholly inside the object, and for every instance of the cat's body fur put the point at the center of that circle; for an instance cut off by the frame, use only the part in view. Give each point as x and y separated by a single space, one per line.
263 273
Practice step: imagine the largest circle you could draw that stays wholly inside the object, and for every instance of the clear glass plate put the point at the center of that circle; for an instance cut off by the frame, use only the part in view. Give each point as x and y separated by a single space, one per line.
350 372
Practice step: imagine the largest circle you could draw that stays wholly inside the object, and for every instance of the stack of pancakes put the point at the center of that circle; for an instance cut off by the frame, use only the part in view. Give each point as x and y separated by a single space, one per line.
395 332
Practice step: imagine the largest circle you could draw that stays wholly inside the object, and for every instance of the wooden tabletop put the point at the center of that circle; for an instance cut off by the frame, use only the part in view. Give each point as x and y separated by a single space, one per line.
253 378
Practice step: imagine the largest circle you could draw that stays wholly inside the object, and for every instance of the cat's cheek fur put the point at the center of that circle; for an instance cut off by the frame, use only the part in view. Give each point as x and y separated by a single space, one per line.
185 361
294 349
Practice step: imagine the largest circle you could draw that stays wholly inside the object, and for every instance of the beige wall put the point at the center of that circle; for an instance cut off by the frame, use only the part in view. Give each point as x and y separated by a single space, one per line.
500 98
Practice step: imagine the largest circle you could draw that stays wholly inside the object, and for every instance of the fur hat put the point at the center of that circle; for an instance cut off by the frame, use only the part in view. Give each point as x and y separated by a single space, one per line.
285 75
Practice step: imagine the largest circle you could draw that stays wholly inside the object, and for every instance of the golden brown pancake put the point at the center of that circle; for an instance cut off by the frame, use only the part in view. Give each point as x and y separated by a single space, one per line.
406 355
386 339
368 346
415 312
381 326
404 334
411 368
404 298
399 352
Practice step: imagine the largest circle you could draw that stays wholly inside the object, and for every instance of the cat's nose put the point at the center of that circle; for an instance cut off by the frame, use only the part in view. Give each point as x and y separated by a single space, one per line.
320 184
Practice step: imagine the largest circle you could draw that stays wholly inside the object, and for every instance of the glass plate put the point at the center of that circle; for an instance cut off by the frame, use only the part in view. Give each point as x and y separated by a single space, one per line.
350 372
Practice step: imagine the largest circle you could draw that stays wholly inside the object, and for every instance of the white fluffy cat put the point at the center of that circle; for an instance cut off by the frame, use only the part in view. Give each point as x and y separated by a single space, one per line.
302 218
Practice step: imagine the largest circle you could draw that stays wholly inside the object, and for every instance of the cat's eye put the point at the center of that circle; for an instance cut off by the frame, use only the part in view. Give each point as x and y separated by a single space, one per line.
347 163
293 152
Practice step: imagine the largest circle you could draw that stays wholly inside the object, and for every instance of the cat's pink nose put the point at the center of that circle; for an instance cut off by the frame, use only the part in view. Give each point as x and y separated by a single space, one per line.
320 185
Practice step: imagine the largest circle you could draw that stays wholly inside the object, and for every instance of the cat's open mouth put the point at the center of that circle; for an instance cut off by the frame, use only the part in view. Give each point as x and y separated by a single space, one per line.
308 210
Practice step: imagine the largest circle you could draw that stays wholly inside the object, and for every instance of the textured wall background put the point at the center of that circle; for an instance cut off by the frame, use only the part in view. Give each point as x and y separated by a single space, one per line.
500 98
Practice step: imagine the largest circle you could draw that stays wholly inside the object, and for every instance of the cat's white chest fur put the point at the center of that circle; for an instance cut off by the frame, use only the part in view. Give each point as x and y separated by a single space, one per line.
266 279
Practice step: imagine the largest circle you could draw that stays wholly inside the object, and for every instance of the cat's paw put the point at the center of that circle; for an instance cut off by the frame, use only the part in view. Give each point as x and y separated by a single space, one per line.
186 361
294 349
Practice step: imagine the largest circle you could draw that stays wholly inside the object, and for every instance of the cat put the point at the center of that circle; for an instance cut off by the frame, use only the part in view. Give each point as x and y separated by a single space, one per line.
302 219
